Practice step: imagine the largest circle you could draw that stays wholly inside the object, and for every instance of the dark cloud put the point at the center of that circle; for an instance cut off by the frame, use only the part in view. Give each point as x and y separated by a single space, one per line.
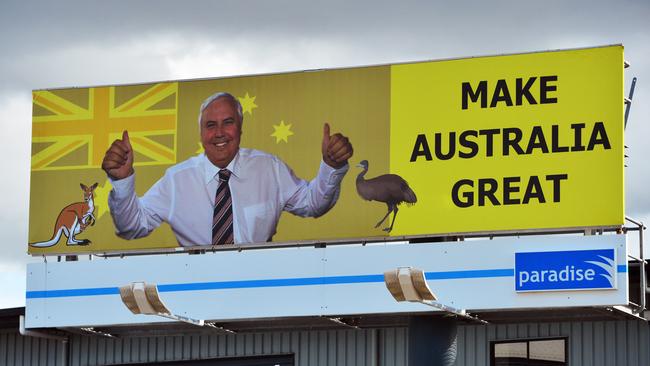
41 36
494 24
48 44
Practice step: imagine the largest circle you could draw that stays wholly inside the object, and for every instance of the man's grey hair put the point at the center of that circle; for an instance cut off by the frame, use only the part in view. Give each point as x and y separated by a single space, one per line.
206 103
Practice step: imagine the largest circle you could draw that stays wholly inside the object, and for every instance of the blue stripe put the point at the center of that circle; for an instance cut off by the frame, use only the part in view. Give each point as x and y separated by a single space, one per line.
281 282
74 292
480 273
621 268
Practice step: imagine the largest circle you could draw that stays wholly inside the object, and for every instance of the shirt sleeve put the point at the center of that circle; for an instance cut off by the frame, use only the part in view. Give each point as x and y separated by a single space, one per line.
314 198
136 217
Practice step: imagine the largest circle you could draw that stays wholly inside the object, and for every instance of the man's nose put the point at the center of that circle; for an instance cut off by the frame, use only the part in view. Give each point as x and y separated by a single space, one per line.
219 129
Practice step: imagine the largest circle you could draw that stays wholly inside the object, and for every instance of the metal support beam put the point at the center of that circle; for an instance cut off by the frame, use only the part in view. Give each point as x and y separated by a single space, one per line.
642 270
628 100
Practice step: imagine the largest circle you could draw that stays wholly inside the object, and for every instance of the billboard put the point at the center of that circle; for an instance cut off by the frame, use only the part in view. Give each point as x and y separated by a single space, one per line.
475 275
501 143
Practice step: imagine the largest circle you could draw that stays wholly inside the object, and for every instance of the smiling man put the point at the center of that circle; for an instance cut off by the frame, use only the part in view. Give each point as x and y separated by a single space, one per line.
228 194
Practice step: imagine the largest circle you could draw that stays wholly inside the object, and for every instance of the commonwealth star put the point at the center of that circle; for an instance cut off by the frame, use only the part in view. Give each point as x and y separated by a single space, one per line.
282 132
247 104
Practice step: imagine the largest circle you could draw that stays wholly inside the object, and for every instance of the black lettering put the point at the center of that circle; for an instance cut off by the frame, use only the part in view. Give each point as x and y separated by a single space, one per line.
501 94
534 190
512 142
452 146
509 189
545 88
599 137
468 196
524 91
421 148
555 140
537 140
577 135
481 91
487 187
489 140
557 178
465 142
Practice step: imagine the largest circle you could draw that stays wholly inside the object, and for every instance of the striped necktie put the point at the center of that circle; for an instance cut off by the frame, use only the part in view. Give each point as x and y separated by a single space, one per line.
222 218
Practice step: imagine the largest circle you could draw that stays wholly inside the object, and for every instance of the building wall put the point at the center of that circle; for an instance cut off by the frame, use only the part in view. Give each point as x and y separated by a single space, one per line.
333 347
18 350
617 343
341 347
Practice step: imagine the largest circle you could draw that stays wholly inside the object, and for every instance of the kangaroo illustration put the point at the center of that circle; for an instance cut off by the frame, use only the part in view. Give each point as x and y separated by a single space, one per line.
72 220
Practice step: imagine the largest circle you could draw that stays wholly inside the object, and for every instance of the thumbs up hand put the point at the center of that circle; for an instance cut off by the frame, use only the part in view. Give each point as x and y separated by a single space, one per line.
118 161
336 148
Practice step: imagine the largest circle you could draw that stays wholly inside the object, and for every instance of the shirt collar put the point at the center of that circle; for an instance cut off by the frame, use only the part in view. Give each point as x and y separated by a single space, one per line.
210 170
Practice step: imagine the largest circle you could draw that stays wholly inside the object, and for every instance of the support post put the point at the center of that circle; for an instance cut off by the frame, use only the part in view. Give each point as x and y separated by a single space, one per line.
432 341
629 102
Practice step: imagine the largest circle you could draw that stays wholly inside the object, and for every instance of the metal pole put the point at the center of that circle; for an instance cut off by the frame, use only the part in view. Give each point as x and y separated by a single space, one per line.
65 352
629 101
642 271
644 288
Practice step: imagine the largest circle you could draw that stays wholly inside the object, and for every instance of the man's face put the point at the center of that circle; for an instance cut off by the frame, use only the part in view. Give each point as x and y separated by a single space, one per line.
220 131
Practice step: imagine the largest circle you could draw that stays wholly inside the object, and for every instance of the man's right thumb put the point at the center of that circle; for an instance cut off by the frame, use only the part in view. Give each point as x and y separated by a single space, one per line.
326 134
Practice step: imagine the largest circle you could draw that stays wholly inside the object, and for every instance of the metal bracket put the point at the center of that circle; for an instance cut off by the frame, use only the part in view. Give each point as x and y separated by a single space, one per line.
460 312
93 331
343 322
218 327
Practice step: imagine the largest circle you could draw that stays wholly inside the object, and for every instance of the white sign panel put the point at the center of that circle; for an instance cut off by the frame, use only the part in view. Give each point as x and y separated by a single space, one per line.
337 280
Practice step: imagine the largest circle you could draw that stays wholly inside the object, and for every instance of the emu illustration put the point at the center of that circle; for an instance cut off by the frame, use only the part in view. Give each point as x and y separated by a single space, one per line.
388 188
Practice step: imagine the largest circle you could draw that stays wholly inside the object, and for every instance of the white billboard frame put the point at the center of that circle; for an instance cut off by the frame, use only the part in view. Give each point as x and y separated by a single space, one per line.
476 275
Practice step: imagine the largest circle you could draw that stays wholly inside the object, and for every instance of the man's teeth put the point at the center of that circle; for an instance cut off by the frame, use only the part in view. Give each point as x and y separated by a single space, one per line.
220 144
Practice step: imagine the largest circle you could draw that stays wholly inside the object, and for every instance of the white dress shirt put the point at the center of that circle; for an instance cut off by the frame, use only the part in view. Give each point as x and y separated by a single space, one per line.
262 186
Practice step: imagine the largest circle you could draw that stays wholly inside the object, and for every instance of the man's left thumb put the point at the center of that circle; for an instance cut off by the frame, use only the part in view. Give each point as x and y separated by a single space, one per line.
326 135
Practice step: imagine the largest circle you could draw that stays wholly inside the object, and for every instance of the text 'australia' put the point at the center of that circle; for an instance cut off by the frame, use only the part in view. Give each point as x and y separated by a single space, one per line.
533 138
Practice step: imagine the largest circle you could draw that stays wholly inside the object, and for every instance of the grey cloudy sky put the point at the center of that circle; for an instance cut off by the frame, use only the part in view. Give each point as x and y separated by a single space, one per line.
50 44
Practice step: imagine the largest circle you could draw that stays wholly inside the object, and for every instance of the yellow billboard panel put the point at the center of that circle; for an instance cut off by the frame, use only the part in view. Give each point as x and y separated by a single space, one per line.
530 141
517 142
